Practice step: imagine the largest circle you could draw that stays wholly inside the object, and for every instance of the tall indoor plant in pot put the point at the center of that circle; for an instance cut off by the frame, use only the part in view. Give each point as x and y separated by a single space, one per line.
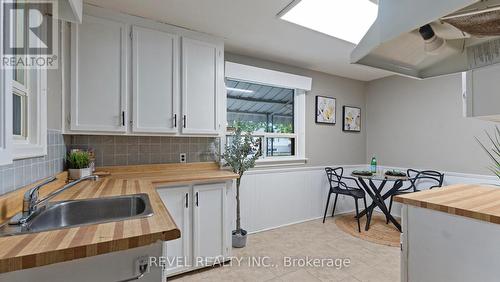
494 152
78 164
240 155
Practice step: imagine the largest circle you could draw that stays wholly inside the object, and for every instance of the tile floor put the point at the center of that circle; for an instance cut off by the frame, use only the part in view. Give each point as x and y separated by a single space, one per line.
368 261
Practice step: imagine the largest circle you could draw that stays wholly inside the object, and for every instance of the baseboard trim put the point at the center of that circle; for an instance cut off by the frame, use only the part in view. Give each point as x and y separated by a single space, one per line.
296 222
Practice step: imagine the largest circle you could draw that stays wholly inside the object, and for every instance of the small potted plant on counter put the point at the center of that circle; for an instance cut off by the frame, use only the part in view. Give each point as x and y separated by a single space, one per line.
78 164
240 155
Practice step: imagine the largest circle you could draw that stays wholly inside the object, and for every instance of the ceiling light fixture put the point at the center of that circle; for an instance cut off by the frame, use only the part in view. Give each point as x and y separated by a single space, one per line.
348 20
239 90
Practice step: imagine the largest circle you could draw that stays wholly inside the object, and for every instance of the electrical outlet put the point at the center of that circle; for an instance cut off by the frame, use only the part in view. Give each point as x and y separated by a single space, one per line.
141 265
182 157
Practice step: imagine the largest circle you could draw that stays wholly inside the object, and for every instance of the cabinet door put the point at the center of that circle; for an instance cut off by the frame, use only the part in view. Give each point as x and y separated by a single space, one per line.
209 238
98 75
200 85
178 202
482 91
155 68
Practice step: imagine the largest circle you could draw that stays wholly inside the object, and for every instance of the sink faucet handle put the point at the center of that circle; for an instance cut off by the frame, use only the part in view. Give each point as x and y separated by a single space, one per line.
31 196
32 203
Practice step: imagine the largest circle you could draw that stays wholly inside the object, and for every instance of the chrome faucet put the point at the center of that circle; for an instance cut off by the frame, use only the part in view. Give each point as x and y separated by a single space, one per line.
31 204
31 196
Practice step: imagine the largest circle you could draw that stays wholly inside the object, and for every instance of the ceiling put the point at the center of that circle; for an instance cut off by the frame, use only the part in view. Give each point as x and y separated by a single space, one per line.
251 27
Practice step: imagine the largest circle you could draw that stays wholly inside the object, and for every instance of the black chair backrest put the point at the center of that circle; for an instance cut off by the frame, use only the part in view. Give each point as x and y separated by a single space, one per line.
335 177
427 176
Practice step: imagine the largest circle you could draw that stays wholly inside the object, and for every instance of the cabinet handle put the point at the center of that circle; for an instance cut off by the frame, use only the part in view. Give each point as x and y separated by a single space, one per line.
184 123
175 120
123 118
197 199
187 199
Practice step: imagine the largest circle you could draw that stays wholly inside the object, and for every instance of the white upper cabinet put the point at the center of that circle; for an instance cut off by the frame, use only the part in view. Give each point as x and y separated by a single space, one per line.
480 93
99 71
155 81
131 75
200 86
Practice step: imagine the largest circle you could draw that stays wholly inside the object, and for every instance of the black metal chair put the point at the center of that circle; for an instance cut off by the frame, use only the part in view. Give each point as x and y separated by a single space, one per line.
415 177
339 187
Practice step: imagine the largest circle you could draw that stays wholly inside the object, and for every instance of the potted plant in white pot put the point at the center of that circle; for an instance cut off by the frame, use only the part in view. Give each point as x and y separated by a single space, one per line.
78 164
240 155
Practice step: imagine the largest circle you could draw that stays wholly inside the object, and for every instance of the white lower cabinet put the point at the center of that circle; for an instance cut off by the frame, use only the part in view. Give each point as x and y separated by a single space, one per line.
177 200
114 266
200 212
438 246
209 223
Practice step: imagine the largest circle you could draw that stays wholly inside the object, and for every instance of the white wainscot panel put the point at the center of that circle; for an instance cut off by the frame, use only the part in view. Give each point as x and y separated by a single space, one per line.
279 197
274 198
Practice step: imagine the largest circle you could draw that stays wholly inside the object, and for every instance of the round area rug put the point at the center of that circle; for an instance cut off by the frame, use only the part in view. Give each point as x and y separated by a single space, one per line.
379 232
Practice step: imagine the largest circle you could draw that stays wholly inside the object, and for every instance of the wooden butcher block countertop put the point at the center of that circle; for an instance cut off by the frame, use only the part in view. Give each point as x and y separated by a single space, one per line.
473 201
38 249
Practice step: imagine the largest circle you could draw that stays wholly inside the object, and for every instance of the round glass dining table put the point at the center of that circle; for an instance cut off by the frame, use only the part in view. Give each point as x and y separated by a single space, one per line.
369 184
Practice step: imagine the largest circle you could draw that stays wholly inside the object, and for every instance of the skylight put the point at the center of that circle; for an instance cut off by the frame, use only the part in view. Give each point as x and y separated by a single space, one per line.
348 20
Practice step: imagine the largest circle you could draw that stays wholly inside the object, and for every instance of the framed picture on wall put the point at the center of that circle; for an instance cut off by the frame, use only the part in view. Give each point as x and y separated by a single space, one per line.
326 110
351 119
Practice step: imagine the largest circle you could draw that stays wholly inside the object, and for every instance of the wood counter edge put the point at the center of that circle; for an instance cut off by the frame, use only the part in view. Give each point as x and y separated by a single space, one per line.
468 213
62 255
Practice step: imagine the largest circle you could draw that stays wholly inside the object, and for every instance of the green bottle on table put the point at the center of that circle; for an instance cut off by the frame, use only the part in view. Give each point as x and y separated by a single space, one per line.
373 165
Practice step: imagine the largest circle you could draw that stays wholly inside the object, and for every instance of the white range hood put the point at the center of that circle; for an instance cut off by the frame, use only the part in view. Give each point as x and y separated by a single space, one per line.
428 38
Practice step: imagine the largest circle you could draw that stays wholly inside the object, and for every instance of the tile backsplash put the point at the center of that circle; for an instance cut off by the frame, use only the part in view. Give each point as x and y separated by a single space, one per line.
27 171
110 151
134 150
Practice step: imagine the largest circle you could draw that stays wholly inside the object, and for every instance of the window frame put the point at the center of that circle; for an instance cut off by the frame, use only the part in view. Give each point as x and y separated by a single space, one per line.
34 90
34 144
24 112
21 89
5 107
299 84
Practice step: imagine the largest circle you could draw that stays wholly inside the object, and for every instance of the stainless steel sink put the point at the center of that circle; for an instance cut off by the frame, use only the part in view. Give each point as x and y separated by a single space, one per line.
75 213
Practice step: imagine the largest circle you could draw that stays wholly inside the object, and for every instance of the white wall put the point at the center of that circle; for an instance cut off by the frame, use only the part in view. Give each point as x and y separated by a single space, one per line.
54 99
419 123
55 83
